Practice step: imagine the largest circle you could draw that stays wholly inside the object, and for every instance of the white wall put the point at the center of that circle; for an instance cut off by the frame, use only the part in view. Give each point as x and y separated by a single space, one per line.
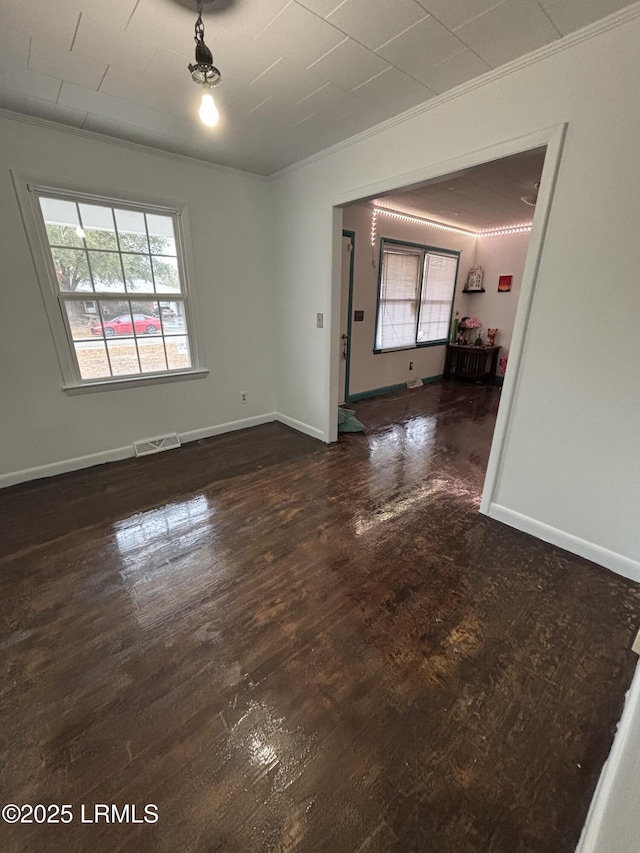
40 424
500 255
369 370
572 460
613 822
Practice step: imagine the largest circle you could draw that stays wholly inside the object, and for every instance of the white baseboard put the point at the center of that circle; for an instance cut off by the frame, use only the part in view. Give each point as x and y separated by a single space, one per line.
596 837
118 453
618 563
301 427
230 426
65 465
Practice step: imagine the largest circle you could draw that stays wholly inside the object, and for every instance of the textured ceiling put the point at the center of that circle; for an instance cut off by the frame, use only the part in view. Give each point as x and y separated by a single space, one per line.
298 75
486 196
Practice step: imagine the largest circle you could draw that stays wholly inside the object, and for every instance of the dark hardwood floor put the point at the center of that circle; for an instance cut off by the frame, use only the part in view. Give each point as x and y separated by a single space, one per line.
292 647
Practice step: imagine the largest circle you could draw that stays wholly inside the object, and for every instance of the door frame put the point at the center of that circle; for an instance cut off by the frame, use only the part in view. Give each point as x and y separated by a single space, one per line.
347 368
553 138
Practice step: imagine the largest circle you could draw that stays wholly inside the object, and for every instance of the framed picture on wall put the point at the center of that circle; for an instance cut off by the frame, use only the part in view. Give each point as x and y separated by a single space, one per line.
504 283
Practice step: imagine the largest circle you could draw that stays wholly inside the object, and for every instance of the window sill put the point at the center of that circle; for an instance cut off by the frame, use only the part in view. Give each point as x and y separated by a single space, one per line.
132 382
441 343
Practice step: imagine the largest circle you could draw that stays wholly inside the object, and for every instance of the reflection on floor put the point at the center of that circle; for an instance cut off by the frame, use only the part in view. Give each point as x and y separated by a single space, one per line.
292 647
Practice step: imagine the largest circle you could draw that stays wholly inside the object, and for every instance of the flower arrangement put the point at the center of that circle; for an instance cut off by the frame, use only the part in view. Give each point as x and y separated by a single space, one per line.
466 325
469 323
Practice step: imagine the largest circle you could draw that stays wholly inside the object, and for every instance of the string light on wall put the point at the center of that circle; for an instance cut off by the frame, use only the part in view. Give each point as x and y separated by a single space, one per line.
374 235
498 232
430 223
204 73
423 221
374 226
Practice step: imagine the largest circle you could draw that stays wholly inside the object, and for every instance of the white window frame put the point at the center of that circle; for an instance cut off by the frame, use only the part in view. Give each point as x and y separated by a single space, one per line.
425 252
28 190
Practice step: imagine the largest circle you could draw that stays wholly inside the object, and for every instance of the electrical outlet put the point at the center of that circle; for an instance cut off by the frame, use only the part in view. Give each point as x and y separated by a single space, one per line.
320 320
636 644
243 396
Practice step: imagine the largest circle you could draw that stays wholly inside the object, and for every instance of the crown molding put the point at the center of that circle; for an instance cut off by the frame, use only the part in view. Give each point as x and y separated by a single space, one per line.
140 147
616 19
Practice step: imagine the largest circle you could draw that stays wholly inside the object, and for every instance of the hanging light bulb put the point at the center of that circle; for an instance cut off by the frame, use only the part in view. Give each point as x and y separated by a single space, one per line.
209 114
205 73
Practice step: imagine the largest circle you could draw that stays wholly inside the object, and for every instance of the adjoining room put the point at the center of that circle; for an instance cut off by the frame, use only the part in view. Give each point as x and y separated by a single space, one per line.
475 227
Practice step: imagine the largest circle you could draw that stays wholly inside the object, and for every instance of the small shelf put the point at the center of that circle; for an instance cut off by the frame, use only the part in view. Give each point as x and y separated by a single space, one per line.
482 290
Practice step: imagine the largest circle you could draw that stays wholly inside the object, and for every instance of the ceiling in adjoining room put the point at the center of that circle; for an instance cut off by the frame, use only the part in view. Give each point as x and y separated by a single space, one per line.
297 75
482 197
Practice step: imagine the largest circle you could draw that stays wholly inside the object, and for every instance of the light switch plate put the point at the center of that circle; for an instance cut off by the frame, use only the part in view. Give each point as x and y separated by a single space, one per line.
636 644
319 320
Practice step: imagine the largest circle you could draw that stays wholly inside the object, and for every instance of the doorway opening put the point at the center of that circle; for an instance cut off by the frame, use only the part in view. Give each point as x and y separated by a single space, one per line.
409 314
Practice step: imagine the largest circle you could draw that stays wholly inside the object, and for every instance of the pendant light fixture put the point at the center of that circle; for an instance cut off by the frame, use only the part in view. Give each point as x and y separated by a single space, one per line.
204 73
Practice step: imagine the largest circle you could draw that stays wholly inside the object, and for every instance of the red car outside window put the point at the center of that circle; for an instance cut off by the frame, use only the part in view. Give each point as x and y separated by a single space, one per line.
122 325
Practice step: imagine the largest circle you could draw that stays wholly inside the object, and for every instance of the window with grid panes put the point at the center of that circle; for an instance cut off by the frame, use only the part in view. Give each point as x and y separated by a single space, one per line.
119 280
415 296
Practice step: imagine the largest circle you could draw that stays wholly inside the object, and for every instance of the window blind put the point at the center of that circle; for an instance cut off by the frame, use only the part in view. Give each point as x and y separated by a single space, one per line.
416 293
399 289
437 294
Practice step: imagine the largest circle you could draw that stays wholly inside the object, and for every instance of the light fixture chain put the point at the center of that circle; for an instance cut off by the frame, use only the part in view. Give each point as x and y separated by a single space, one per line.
203 72
199 36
